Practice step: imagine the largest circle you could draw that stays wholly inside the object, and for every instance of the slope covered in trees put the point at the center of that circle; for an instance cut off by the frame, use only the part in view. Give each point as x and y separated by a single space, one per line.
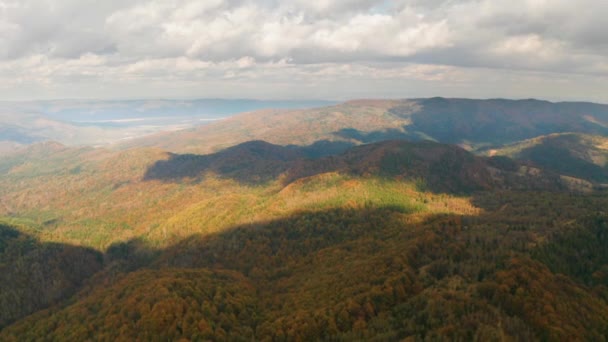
311 236
572 154
35 275
96 197
353 274
473 124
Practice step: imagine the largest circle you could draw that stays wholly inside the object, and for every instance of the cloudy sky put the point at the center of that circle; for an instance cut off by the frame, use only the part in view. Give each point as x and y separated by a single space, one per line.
314 49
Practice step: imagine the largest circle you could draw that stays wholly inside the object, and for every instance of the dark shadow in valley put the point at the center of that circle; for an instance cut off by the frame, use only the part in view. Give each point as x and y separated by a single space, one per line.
486 123
261 254
569 157
252 163
507 224
322 148
434 167
35 275
356 264
499 121
377 136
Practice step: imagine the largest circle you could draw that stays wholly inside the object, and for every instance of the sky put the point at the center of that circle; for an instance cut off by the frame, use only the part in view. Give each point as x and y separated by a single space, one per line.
303 49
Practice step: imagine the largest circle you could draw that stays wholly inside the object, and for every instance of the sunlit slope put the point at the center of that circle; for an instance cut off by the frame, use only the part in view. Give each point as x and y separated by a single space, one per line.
97 197
359 273
259 241
572 154
473 124
282 127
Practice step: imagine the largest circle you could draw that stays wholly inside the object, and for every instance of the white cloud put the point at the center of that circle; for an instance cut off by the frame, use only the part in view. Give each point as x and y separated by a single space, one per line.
56 47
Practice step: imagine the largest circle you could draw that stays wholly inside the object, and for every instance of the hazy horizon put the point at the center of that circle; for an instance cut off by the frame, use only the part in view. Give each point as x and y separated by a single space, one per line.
328 50
303 100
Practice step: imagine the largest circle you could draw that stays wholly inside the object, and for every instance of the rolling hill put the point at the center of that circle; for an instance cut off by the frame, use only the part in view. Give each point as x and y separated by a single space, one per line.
96 123
572 154
349 274
472 124
337 223
96 197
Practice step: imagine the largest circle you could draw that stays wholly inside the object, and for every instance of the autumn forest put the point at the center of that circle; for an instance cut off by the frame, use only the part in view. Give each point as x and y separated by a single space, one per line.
380 220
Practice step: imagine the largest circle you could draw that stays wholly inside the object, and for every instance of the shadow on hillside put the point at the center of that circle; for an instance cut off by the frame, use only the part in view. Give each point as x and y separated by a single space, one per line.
345 258
261 253
486 123
246 246
376 136
35 275
270 250
560 159
271 244
434 167
498 121
252 163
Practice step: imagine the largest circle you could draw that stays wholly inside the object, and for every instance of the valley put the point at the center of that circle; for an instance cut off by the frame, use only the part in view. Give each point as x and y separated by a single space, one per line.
421 219
103 123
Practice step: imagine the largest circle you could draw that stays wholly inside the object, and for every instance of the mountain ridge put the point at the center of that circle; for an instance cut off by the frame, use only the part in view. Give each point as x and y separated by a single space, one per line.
473 124
338 232
572 154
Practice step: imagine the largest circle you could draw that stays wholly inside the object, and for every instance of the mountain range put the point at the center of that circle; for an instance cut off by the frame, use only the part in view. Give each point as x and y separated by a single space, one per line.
420 219
472 124
95 122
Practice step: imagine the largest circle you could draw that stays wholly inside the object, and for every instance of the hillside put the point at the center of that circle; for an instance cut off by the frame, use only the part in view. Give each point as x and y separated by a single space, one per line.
473 124
35 275
572 154
355 274
98 122
281 127
497 122
19 128
96 197
308 237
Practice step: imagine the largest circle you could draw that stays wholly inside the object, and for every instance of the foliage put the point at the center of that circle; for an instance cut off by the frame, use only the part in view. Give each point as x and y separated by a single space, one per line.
573 154
388 241
580 251
34 275
347 274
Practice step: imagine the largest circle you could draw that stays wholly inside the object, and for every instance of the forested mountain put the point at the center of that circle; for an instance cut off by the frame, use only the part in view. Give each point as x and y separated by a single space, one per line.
98 122
573 154
433 166
338 223
355 274
473 124
34 275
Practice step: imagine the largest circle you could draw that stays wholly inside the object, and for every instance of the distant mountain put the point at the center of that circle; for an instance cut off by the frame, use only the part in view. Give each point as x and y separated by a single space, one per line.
97 122
472 124
18 129
8 147
122 112
17 135
433 166
345 223
48 157
283 127
497 122
572 154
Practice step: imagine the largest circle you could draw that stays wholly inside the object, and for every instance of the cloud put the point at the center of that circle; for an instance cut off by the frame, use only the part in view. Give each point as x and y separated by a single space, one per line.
48 44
